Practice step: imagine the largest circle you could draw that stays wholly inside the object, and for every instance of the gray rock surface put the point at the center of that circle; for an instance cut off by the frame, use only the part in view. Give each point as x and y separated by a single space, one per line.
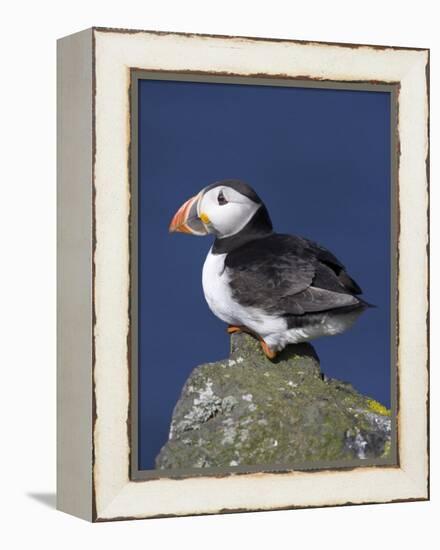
248 410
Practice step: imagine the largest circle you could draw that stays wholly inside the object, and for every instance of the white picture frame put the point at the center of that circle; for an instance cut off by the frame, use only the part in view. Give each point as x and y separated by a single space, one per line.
94 284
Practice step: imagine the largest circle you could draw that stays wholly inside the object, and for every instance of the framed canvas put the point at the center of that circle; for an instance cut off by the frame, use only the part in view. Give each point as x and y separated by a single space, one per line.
281 361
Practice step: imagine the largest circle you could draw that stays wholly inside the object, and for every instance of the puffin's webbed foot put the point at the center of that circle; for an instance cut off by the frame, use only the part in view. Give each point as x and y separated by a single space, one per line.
235 329
270 354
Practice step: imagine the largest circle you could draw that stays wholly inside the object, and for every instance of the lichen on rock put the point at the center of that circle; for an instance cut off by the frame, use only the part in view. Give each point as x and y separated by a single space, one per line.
247 410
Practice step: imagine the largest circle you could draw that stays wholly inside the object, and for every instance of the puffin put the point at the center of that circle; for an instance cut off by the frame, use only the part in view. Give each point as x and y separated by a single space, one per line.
282 289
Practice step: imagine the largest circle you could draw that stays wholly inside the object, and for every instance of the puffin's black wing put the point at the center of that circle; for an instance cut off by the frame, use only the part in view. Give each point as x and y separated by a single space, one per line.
328 259
288 275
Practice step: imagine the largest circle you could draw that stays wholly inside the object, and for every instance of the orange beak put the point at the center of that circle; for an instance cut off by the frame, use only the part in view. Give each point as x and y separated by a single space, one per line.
186 219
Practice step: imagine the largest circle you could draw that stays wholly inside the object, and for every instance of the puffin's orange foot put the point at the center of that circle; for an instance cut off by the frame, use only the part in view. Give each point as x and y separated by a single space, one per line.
270 354
232 329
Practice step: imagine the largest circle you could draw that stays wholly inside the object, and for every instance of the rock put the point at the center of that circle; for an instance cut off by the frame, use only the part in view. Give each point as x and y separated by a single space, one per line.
248 410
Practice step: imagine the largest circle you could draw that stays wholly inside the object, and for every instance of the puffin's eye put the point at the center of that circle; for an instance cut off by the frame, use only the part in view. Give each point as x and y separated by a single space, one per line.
221 199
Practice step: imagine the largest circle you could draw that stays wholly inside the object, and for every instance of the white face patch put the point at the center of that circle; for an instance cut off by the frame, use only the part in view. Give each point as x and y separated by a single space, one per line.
229 218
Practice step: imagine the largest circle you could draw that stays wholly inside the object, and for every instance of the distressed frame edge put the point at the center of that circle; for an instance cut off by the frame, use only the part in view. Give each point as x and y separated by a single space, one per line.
428 259
231 511
305 42
74 274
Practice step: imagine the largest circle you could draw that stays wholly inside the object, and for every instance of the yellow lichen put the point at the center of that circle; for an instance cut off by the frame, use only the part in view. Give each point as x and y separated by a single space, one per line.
377 407
386 449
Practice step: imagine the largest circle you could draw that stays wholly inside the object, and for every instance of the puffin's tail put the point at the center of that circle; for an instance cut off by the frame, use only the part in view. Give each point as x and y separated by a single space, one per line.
365 304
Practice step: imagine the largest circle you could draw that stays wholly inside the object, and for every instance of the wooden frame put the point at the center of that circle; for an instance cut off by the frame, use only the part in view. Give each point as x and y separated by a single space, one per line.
94 354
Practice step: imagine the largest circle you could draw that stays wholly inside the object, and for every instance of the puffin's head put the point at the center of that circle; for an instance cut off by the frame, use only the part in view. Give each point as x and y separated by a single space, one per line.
223 209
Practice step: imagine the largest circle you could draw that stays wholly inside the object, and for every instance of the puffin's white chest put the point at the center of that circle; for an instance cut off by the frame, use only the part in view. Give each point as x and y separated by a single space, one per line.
215 280
216 288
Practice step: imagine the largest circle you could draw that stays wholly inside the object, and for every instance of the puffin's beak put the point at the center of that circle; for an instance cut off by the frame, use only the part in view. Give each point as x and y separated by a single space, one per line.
186 219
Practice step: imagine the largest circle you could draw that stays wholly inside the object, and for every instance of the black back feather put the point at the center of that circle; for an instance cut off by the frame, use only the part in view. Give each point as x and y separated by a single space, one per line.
289 275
